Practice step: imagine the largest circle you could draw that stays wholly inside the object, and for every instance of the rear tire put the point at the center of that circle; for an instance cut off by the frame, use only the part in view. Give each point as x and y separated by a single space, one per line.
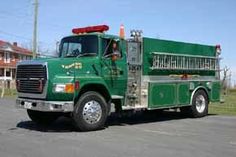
90 112
42 118
199 106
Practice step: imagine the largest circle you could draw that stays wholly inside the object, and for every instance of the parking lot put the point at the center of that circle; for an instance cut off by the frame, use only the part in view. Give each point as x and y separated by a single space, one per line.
169 134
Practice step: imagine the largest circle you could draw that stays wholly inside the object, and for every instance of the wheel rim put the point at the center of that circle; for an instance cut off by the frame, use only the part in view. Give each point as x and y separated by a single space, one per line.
200 103
92 112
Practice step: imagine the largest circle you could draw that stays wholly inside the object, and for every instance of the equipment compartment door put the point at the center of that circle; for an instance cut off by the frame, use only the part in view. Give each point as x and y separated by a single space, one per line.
215 92
161 95
183 93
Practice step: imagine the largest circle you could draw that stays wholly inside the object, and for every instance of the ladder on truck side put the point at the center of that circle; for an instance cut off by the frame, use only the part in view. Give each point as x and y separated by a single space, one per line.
168 61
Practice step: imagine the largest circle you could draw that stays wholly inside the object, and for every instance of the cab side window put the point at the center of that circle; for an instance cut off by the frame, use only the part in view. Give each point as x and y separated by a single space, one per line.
105 47
110 47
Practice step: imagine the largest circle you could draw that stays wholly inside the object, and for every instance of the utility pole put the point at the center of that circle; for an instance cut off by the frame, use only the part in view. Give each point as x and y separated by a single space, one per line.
35 28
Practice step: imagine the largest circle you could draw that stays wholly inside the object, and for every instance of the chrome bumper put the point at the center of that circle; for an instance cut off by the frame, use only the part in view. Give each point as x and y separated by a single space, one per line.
46 106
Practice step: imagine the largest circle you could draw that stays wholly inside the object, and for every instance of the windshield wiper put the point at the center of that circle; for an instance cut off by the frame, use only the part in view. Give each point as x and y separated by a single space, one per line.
86 54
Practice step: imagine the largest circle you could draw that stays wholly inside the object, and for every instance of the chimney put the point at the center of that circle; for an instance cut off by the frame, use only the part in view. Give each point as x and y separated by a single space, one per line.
15 43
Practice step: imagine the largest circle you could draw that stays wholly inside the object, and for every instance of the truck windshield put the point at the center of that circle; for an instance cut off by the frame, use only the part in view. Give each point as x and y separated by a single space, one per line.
78 46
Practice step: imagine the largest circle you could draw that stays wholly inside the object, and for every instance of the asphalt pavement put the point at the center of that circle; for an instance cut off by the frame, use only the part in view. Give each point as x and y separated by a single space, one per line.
138 135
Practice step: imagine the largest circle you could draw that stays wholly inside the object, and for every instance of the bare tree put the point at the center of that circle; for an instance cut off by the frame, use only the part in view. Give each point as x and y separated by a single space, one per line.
224 83
27 45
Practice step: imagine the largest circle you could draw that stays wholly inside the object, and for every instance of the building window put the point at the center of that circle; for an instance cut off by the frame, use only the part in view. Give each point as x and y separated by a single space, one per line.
7 57
13 73
8 72
20 57
1 72
28 57
13 57
1 56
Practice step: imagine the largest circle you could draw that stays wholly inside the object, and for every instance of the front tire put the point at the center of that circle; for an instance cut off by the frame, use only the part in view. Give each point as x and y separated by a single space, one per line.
42 118
90 112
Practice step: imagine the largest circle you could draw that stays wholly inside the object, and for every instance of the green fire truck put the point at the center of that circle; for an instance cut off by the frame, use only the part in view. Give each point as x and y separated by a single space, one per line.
95 71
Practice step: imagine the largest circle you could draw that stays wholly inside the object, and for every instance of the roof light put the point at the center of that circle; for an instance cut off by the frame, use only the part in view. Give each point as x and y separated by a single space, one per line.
132 32
90 29
122 31
136 33
218 49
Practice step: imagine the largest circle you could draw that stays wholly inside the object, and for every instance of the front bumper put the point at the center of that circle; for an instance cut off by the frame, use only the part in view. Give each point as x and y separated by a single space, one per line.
46 106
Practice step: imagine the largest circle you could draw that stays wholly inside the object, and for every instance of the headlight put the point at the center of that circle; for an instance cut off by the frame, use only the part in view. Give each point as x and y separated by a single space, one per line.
59 88
64 88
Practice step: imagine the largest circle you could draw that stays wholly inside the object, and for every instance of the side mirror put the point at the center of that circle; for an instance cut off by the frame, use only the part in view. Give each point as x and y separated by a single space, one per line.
58 48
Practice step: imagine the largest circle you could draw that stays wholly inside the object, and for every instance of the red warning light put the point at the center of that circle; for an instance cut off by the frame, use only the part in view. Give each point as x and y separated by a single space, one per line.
90 29
218 49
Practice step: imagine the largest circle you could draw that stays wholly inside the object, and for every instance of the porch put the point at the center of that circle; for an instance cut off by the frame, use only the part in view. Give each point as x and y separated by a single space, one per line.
7 75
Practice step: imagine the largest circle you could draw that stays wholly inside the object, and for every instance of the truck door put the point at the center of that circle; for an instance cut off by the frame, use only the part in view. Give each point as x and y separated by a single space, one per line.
114 72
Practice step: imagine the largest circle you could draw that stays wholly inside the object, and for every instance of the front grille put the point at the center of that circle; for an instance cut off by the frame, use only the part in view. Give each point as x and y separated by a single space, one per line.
31 78
31 71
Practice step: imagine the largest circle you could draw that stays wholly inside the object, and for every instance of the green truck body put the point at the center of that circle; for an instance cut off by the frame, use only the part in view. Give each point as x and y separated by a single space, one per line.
146 74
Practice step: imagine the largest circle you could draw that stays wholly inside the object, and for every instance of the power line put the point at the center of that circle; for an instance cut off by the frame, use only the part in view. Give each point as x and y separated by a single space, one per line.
3 12
20 37
22 18
14 35
51 26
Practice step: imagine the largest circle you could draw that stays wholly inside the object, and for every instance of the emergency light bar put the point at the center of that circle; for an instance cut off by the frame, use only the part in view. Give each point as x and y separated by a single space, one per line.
90 29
